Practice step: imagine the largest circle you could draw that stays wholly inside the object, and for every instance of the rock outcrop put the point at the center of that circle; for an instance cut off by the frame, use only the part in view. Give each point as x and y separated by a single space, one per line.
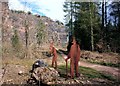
46 75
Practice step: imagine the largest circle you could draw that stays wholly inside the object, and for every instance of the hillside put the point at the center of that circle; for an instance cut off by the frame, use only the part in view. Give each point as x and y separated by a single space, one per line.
24 32
16 20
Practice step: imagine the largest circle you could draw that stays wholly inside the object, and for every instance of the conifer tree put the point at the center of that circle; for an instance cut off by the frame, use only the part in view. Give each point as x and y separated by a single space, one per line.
40 32
15 41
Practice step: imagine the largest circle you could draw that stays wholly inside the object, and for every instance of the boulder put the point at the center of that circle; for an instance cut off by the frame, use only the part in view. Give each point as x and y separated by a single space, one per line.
38 63
45 74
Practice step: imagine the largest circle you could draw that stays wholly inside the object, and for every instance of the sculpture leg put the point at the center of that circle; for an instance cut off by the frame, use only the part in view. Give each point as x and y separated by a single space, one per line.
72 67
66 69
76 69
53 61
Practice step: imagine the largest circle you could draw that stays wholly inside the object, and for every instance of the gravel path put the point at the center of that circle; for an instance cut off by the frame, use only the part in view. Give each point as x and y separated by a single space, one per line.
110 70
105 69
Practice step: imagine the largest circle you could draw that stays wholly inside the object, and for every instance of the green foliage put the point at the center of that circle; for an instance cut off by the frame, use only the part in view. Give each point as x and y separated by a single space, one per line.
87 72
81 25
69 9
40 32
58 22
26 32
15 41
91 73
18 11
117 65
114 32
90 23
85 18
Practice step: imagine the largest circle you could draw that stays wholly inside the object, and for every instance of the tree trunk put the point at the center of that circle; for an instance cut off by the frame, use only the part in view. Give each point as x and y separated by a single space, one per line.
71 24
26 42
91 28
103 15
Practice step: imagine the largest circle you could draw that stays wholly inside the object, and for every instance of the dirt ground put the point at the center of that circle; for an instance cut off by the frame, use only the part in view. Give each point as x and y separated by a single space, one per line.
16 71
19 75
115 72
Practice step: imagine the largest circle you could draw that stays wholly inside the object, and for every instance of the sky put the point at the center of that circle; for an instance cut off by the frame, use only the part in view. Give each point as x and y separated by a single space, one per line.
49 8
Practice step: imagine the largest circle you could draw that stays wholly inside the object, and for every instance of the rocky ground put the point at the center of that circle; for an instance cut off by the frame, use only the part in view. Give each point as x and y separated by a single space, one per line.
19 75
15 74
17 71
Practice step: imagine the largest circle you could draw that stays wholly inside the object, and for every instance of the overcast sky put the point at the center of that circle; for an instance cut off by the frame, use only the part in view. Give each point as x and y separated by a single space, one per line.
49 8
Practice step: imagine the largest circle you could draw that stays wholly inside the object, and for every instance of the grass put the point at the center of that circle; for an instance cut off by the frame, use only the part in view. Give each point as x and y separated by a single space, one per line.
91 73
109 64
87 73
17 61
117 65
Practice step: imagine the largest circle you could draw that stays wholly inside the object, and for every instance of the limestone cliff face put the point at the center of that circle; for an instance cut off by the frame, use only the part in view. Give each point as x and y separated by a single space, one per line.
4 19
12 20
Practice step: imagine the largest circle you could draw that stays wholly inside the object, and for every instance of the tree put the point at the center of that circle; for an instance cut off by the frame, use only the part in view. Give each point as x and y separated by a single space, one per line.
26 38
15 41
103 13
40 32
91 25
104 20
115 15
87 25
70 8
83 21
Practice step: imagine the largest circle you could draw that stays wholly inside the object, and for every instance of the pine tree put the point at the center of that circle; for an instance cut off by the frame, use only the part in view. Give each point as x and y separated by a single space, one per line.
87 24
115 14
15 41
68 8
40 32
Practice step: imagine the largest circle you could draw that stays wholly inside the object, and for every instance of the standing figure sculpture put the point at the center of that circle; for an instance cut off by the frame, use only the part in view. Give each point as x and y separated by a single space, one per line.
74 56
54 52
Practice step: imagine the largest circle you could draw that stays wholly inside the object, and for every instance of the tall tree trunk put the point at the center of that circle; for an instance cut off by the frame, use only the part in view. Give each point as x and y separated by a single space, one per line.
26 41
26 35
119 16
91 27
102 28
71 23
105 13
